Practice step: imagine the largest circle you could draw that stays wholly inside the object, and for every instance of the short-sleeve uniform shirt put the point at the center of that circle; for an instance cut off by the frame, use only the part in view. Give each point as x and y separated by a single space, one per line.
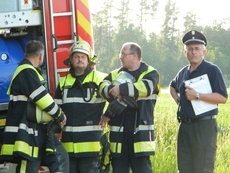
185 109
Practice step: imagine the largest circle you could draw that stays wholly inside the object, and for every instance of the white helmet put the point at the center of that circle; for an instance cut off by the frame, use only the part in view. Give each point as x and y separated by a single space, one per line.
83 47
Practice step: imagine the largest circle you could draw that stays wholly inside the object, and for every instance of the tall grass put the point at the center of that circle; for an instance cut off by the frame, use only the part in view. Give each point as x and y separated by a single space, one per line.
166 127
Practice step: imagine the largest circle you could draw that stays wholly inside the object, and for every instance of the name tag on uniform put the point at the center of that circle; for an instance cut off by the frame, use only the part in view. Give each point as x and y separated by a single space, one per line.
201 85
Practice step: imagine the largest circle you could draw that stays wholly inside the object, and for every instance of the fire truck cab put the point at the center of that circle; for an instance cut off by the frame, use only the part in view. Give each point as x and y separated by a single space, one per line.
57 23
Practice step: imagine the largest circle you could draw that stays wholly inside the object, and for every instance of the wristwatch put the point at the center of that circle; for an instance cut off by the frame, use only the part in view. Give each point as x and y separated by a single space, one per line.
197 96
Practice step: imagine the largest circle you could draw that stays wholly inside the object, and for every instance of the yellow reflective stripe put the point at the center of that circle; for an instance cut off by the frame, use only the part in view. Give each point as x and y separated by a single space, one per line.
19 69
150 84
44 101
23 166
82 147
94 76
7 149
42 116
50 150
24 147
67 81
20 146
150 69
146 146
60 113
140 86
114 74
35 153
115 147
2 122
104 87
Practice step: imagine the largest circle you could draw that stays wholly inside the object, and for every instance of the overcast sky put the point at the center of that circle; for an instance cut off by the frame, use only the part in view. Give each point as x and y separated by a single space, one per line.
207 11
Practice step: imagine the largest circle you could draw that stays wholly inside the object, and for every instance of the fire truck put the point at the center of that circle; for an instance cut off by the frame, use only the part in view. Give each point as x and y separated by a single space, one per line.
57 23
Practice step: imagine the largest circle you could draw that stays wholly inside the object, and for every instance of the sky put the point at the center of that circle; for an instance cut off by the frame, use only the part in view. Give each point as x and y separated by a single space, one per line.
207 11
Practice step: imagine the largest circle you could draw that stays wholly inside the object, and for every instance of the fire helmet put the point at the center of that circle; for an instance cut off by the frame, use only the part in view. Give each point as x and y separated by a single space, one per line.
83 47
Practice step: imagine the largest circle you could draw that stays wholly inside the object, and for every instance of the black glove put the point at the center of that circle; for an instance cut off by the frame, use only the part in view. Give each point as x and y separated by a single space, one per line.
116 107
130 101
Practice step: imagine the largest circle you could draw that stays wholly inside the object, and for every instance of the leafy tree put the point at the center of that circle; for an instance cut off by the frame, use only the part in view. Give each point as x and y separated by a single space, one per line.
164 51
123 14
146 13
190 22
168 47
103 31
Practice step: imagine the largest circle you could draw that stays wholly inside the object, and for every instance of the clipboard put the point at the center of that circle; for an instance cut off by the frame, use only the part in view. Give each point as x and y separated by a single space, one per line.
202 85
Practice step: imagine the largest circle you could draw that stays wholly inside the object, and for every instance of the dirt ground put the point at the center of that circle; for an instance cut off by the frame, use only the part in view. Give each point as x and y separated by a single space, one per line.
10 168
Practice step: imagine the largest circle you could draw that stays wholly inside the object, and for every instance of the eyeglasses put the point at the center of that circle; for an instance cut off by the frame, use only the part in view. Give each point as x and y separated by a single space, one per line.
190 49
125 54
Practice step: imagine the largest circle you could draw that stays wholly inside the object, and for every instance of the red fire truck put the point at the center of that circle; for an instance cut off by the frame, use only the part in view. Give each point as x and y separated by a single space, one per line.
58 23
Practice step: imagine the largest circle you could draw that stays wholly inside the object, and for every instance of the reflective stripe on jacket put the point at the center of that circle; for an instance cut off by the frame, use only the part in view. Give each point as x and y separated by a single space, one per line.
21 137
145 91
83 106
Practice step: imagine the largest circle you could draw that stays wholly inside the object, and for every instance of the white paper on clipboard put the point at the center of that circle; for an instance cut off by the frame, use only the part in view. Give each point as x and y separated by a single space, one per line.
202 85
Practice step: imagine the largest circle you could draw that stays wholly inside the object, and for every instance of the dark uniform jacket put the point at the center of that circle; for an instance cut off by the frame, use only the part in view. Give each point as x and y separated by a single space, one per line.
80 100
135 124
185 109
22 138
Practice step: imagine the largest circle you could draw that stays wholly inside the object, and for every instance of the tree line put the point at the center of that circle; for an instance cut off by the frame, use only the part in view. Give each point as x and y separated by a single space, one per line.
113 25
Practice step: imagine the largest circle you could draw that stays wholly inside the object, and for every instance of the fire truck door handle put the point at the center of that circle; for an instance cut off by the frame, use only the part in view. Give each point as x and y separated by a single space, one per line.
54 42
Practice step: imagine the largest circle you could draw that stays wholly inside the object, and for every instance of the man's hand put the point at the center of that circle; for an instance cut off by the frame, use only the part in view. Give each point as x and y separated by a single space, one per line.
63 123
115 91
190 93
104 121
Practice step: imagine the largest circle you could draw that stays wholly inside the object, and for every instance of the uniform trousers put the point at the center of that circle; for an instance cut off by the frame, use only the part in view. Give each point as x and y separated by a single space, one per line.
128 160
84 165
137 164
56 162
196 146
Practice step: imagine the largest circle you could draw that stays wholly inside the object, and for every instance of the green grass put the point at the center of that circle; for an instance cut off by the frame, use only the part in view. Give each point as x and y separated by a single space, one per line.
166 127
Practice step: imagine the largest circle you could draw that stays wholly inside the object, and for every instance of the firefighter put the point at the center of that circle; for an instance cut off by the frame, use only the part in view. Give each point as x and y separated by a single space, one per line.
25 139
78 95
131 125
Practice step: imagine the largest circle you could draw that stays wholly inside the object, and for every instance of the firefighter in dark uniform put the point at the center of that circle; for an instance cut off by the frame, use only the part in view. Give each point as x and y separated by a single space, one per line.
24 140
78 95
132 92
197 134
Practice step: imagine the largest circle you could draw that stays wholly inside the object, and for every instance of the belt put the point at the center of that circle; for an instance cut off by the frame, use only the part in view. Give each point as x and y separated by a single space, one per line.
190 120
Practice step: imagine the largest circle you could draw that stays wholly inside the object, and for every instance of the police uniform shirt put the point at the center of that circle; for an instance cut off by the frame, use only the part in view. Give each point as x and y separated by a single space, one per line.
216 81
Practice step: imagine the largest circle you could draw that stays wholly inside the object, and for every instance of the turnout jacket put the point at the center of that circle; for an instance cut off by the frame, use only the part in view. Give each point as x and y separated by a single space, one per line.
137 123
22 138
80 100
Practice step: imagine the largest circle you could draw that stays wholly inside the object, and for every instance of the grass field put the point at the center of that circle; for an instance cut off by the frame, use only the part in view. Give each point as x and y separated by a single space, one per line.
166 127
